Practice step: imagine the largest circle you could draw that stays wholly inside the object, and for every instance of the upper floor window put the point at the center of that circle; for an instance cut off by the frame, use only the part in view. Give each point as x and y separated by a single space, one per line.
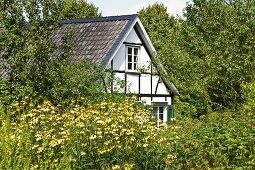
132 58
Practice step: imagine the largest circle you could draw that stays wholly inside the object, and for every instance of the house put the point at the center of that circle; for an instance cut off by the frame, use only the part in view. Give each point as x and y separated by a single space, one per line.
121 44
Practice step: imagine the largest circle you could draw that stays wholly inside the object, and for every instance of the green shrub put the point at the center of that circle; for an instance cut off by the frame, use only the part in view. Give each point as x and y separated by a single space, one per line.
107 135
216 141
121 135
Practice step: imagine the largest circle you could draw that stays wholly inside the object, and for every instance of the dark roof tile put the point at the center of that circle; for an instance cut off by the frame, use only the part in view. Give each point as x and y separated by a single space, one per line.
96 37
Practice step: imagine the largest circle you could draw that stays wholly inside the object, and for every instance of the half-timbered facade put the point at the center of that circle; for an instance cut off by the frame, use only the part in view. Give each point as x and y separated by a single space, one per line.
121 44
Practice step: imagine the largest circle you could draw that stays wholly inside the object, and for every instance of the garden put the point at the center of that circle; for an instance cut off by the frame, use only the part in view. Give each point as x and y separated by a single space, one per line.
55 115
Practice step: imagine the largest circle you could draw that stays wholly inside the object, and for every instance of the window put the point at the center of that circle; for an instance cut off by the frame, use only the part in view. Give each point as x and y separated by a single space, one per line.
132 58
159 113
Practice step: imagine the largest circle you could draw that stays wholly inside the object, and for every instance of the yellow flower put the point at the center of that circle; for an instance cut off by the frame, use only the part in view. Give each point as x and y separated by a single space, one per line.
83 153
40 149
170 159
92 137
115 167
145 145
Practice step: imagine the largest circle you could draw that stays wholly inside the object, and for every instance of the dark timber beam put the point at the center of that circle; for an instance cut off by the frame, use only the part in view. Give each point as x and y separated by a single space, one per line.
155 95
135 44
157 86
133 73
112 76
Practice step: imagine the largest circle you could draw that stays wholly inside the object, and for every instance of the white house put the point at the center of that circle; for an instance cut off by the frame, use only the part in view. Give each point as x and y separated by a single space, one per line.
121 44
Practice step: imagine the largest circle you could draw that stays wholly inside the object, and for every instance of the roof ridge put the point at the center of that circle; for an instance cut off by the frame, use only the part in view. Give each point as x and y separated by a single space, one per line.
101 19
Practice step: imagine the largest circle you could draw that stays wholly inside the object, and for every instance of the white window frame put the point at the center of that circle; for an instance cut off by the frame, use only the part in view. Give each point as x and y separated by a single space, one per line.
132 62
160 122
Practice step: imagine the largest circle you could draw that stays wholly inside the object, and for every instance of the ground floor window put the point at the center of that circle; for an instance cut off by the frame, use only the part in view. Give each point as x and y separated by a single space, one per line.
159 113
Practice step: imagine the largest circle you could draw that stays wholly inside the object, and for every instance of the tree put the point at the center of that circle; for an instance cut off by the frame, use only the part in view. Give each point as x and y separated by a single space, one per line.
158 23
78 9
27 51
208 53
225 30
168 36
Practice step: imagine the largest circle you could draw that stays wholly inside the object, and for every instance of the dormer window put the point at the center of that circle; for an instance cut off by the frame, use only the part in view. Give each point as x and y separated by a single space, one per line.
132 58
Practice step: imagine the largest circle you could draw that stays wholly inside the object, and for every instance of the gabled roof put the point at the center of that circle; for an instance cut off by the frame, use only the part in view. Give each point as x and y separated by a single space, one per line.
96 39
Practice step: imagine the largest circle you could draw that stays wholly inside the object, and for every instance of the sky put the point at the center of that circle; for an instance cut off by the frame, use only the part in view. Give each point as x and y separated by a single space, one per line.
125 7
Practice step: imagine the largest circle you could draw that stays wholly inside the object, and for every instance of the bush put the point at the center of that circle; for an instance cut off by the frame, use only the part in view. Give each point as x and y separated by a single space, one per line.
101 136
121 135
76 81
249 95
216 141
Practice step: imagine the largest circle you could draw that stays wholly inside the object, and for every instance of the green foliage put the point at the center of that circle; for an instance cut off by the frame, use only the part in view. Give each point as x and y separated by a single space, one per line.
216 141
224 36
78 80
35 70
158 23
78 9
97 136
208 53
168 38
249 95
83 137
192 104
27 52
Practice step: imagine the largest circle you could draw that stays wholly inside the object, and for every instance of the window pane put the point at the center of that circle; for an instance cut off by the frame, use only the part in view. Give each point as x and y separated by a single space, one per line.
129 50
135 66
129 66
135 58
161 116
129 58
161 110
135 51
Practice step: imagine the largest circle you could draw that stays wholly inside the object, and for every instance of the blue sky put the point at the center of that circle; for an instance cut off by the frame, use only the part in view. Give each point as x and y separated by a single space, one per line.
123 7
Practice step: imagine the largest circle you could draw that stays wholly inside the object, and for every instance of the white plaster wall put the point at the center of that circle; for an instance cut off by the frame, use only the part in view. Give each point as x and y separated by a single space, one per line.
119 83
133 37
161 99
119 60
154 83
119 63
132 84
145 61
145 84
147 100
165 114
162 89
